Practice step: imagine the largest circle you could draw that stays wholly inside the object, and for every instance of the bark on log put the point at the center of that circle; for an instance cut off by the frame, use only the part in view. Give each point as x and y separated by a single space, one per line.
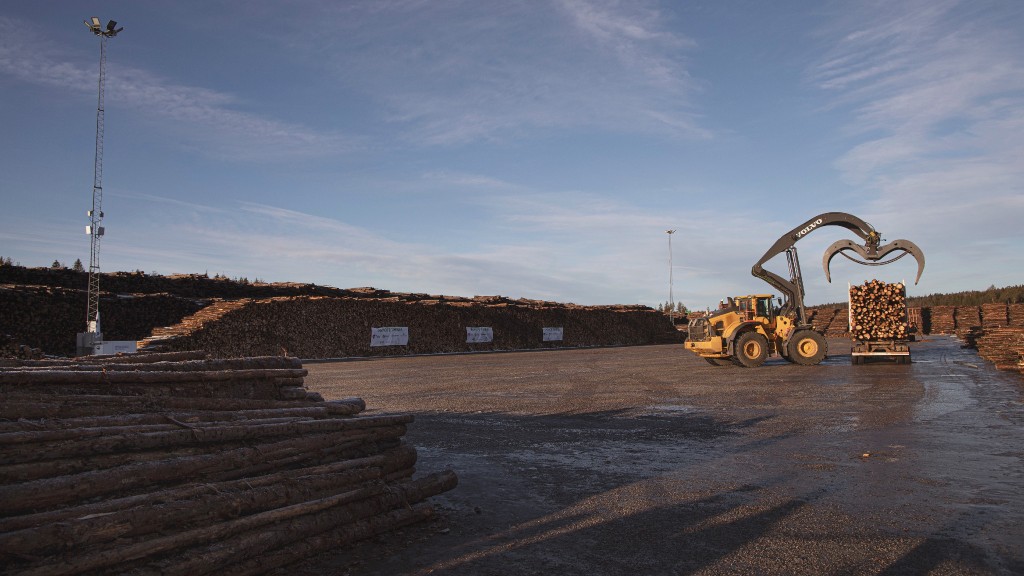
204 365
138 441
308 520
40 405
221 502
43 378
400 457
230 464
25 425
312 545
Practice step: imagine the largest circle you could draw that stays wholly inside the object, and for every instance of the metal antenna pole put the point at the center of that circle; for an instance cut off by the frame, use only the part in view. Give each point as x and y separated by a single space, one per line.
95 228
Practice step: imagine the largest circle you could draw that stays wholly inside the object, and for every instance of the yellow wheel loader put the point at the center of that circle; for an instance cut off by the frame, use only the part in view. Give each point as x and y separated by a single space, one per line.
746 330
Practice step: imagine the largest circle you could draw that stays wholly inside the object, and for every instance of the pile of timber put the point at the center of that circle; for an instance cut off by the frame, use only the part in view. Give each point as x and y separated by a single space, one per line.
1002 346
336 327
179 464
48 318
995 315
820 318
840 324
1015 314
11 348
942 320
967 317
878 311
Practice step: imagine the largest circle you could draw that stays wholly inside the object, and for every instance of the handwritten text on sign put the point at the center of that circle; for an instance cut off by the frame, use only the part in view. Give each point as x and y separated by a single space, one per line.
479 334
389 336
552 334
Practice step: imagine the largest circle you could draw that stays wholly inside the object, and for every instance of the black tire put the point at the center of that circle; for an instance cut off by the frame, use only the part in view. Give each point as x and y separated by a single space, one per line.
808 348
717 361
751 350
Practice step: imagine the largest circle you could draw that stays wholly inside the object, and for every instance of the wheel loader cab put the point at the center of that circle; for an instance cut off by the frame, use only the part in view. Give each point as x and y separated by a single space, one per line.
751 307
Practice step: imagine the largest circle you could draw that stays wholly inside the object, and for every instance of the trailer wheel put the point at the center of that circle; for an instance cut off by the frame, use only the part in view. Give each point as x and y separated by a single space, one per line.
751 350
808 348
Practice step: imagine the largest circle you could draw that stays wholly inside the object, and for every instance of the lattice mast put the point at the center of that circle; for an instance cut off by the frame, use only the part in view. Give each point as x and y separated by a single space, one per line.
95 228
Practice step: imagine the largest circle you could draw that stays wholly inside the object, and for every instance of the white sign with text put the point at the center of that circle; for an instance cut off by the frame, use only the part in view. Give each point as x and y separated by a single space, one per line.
478 334
110 347
389 336
552 334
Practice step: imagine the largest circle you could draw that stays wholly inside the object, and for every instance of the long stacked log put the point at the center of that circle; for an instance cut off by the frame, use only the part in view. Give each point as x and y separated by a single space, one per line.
110 475
332 327
878 311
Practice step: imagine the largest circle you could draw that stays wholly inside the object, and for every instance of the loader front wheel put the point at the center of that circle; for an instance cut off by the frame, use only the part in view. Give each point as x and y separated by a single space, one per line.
808 348
751 350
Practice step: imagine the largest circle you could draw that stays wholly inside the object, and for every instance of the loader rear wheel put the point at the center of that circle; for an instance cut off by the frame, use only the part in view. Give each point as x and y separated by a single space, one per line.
717 361
751 350
808 348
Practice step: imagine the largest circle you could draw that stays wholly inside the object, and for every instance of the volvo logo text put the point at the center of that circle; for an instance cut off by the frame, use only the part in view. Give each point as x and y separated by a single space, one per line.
808 228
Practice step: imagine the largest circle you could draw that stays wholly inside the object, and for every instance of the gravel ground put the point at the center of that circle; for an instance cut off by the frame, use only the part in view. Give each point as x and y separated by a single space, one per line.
647 460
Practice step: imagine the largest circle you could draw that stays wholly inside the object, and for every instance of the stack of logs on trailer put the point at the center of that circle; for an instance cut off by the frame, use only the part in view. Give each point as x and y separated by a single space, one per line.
177 464
878 321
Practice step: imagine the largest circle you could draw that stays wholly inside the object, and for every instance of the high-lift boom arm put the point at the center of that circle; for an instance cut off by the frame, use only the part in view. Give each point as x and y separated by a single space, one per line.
792 289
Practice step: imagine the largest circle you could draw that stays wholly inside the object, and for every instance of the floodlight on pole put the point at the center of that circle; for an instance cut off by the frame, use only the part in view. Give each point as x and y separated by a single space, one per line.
671 303
91 340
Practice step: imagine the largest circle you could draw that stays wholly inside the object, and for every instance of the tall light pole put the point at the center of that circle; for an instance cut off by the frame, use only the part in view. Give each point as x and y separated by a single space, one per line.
671 302
92 338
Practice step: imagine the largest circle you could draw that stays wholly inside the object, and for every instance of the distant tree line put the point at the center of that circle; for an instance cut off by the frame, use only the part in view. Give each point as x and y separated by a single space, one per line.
1008 294
991 295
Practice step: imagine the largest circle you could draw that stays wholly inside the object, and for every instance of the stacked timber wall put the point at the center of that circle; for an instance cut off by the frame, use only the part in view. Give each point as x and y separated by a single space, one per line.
332 327
153 464
44 309
48 318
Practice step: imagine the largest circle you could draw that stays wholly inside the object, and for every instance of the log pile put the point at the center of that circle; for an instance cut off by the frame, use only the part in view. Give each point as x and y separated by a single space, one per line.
48 317
1002 346
335 327
11 348
994 315
967 317
1015 315
878 311
840 324
820 318
192 466
942 320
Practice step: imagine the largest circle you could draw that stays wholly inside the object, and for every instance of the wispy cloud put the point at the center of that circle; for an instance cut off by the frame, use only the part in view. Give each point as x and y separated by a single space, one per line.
456 72
199 117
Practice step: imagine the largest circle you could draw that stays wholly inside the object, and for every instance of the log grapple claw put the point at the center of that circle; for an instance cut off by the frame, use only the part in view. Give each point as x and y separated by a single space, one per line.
871 253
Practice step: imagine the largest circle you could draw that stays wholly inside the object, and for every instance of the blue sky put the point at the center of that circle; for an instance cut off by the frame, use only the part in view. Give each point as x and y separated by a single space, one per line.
534 149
